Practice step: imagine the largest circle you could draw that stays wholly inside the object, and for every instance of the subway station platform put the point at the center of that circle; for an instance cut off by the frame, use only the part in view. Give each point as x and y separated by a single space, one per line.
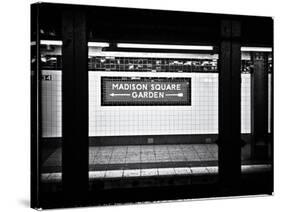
106 162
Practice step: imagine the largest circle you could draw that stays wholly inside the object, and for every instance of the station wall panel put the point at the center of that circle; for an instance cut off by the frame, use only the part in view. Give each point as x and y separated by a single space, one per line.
199 118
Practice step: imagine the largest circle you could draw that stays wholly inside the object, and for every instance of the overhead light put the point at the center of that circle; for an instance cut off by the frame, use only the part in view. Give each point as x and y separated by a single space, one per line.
59 43
98 44
256 49
161 46
51 42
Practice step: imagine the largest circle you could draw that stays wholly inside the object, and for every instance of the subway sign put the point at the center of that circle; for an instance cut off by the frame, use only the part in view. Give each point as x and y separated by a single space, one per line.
122 91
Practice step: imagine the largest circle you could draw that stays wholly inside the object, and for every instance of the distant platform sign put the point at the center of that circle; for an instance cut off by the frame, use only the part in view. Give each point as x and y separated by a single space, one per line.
117 91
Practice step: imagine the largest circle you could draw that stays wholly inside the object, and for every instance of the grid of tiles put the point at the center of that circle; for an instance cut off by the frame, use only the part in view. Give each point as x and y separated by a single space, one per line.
108 156
111 63
102 63
51 103
245 103
199 118
185 171
152 153
133 120
269 101
142 154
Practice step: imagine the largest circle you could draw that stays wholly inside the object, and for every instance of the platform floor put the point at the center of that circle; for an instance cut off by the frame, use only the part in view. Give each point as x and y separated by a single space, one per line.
146 160
157 172
148 156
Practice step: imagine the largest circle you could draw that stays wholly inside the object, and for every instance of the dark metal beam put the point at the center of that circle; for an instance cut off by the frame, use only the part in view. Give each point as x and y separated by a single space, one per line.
36 108
229 104
259 106
74 106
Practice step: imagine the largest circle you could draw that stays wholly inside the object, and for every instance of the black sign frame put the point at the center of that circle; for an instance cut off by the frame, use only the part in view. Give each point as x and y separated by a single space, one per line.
146 103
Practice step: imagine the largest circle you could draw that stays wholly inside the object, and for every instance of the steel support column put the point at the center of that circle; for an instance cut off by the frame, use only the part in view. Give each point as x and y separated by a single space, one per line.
74 106
259 106
229 104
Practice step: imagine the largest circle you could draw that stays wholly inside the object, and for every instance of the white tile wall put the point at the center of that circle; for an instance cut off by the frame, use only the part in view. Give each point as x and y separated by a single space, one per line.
269 102
245 103
51 105
199 118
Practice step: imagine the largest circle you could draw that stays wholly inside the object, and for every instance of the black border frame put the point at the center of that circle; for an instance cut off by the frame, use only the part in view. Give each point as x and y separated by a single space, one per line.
226 31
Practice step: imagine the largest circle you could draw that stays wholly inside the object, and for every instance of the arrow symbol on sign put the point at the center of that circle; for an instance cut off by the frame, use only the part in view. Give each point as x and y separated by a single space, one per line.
175 94
119 94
